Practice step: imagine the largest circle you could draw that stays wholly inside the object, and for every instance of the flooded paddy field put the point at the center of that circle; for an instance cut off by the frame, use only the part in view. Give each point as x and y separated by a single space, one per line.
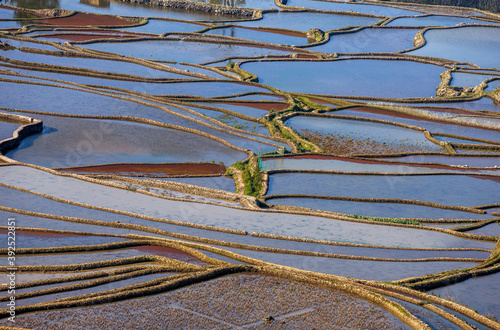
221 217
103 287
374 134
250 164
183 51
350 77
122 8
474 292
210 182
302 21
369 40
368 270
482 104
435 20
310 162
419 187
81 258
487 161
433 125
383 210
7 129
472 80
105 142
478 45
262 35
493 85
352 7
37 239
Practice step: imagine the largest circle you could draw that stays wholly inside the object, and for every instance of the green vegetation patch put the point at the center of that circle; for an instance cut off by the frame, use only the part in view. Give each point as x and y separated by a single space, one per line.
391 220
251 175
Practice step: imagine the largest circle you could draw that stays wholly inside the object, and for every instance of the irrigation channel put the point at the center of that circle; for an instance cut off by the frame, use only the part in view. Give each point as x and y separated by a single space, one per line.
249 164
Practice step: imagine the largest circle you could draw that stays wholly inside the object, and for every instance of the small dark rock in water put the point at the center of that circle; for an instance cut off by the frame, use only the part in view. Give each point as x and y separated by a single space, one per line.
268 319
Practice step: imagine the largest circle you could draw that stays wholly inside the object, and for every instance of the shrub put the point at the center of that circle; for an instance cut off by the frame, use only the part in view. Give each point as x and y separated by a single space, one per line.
391 220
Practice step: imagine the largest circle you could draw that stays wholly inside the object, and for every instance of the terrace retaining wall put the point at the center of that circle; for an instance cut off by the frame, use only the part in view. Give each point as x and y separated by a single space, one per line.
31 126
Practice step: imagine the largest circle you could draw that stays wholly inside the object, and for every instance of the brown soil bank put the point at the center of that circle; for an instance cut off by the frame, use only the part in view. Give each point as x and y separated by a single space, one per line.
167 169
87 37
81 19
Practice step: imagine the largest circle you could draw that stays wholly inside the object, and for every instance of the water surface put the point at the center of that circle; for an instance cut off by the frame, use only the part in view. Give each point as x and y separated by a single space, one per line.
77 142
435 20
433 126
362 130
218 182
382 210
7 130
89 63
33 239
181 51
370 40
350 77
468 80
162 26
478 293
459 190
492 86
132 9
354 166
368 270
262 36
379 10
304 21
275 223
478 45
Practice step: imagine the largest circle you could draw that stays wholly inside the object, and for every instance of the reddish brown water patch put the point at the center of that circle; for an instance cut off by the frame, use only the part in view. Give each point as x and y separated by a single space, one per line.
484 177
167 169
81 19
282 32
172 253
86 37
278 106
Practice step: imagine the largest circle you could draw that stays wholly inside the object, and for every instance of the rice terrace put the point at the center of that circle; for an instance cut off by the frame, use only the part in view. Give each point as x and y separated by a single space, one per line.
250 164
